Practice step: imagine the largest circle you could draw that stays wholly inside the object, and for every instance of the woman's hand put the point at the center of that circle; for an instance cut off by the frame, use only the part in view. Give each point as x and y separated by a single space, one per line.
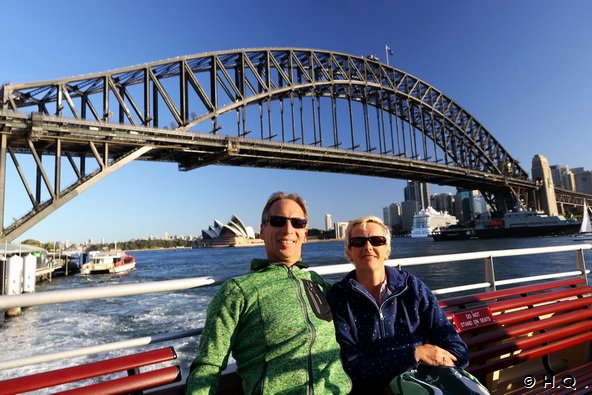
434 355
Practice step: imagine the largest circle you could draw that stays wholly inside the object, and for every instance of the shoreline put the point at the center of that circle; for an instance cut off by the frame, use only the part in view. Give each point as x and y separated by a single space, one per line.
259 244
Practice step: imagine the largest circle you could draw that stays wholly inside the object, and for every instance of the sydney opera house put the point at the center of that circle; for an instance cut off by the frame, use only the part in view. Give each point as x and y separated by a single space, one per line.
233 234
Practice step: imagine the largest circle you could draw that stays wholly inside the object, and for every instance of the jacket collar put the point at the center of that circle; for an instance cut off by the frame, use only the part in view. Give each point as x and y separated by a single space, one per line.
396 279
259 264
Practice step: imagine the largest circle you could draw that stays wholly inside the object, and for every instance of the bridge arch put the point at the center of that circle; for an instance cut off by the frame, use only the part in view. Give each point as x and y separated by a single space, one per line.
268 107
230 81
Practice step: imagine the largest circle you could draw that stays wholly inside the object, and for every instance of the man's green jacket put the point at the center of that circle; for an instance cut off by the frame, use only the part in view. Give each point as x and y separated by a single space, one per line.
277 323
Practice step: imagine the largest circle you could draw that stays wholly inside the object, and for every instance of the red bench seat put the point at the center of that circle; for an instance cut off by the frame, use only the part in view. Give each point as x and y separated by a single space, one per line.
135 381
539 330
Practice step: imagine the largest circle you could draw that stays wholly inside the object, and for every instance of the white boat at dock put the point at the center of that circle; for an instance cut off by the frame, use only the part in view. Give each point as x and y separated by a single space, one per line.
505 380
100 263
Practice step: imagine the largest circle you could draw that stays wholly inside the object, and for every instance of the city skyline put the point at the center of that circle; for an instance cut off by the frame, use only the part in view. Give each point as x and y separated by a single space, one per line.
520 69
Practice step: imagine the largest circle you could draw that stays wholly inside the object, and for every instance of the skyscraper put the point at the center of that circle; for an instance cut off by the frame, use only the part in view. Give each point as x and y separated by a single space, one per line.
417 191
392 217
328 222
583 180
442 202
563 177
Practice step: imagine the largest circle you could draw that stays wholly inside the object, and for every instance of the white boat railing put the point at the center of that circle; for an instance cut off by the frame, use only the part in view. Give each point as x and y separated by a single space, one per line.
73 295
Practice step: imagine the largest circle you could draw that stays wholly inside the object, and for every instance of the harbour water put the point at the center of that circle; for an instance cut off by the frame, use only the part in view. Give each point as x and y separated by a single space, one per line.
51 328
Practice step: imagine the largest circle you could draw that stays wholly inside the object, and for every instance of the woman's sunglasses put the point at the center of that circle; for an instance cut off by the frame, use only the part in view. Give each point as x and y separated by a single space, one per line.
376 241
278 221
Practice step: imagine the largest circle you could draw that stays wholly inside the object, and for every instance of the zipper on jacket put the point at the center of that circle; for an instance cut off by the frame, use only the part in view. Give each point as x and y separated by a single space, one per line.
379 308
310 325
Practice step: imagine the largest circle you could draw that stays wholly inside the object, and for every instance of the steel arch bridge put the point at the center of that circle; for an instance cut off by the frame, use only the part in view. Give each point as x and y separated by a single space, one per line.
272 107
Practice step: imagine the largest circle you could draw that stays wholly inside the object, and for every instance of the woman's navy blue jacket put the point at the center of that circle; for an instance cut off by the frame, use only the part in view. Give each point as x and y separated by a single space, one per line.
378 342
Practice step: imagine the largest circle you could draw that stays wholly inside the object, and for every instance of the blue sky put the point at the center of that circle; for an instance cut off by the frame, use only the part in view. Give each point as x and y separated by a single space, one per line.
522 68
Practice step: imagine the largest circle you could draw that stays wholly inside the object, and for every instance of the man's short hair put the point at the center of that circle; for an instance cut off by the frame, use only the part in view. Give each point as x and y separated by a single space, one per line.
281 196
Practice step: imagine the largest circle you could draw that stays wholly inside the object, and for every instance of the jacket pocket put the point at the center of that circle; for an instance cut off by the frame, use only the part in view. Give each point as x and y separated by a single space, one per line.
317 300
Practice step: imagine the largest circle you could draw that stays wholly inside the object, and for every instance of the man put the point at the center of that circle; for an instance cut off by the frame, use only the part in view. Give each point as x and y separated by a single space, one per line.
275 320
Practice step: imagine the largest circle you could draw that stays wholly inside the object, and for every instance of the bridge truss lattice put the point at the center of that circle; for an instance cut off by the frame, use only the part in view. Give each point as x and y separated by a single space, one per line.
273 107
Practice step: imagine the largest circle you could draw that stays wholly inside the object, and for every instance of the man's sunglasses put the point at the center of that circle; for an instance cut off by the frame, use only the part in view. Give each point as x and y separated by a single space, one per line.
376 241
278 221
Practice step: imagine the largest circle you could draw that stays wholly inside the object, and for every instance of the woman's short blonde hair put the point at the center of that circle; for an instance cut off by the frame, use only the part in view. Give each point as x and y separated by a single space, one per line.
362 222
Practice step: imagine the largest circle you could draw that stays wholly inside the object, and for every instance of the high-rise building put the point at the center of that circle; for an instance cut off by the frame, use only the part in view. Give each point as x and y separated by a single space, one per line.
563 177
583 180
340 229
386 216
468 205
392 217
417 191
442 202
408 210
328 222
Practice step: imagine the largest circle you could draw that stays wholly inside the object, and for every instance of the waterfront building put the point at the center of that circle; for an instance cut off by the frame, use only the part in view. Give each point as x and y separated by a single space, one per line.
235 233
408 210
468 205
328 222
442 202
563 177
462 206
340 229
583 180
392 217
386 218
417 191
428 219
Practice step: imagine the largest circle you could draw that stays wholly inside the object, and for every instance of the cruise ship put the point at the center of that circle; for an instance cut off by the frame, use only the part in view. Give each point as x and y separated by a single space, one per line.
428 219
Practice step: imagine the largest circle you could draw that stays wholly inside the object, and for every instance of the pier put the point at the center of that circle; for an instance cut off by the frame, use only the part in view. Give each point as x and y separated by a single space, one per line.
23 266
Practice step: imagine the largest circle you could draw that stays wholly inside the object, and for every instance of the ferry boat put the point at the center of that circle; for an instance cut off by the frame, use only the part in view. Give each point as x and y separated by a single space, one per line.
101 263
518 366
125 263
523 223
453 233
428 219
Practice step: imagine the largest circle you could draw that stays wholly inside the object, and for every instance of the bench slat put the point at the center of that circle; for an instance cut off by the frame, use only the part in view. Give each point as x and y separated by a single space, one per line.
560 306
525 343
531 300
81 372
527 327
529 322
128 384
504 293
531 354
533 312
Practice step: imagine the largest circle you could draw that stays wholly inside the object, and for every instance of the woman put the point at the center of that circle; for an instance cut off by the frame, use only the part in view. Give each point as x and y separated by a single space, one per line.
387 321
